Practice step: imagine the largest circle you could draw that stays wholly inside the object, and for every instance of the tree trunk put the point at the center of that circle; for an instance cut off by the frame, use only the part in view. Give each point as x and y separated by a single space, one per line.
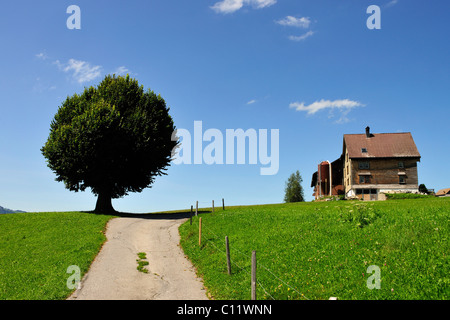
104 203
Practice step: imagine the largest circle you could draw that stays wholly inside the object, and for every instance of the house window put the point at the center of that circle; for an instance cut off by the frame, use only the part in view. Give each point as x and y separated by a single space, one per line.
401 164
366 191
363 165
364 179
364 150
402 179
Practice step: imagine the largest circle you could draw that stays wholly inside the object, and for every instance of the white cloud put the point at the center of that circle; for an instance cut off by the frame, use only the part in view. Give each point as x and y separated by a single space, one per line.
302 37
251 102
121 71
227 6
291 21
81 71
262 3
42 56
230 6
343 106
391 3
302 22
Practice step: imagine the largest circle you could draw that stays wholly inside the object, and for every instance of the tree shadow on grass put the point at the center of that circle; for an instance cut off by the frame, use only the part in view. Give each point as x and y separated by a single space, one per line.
154 216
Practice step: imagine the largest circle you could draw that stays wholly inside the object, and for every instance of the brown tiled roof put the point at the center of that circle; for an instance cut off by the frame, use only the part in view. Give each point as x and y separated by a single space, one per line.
381 145
443 192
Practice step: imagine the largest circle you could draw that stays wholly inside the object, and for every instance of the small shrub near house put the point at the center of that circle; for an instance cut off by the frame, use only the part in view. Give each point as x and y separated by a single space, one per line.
398 196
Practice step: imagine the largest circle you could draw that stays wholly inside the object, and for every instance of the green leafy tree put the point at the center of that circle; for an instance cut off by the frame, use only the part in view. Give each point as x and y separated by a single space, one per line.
294 190
114 138
423 188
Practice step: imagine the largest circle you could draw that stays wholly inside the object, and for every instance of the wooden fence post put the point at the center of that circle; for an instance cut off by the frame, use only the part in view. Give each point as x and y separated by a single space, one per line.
196 209
190 216
213 206
254 275
200 232
228 255
223 204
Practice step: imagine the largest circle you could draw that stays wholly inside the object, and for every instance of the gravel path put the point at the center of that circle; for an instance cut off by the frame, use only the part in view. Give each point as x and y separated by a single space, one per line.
113 274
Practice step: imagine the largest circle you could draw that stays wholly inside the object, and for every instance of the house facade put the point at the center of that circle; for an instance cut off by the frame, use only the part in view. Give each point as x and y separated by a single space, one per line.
375 164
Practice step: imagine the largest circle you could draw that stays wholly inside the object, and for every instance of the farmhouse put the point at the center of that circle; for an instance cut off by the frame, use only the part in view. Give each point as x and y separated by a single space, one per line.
443 193
370 166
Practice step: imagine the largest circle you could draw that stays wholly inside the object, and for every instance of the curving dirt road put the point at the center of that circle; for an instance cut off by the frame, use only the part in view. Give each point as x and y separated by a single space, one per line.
113 274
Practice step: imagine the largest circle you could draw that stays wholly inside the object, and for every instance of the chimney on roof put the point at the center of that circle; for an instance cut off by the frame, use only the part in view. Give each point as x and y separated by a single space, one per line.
367 132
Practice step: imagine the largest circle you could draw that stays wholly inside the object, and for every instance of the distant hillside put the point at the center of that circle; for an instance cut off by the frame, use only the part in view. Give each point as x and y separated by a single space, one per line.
6 210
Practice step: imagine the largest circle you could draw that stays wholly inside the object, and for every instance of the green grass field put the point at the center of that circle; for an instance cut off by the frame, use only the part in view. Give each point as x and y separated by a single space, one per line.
323 250
306 250
37 248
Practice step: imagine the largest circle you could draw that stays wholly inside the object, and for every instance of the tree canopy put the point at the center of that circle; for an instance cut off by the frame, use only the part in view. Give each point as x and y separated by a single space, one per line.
114 138
294 190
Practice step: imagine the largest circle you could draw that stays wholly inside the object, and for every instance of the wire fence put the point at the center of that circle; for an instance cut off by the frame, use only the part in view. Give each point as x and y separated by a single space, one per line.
210 237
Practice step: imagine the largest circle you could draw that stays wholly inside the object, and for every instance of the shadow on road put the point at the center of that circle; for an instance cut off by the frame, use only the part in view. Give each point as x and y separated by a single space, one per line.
155 216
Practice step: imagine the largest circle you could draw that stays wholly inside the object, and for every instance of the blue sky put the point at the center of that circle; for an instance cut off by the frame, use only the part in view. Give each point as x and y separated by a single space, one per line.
262 64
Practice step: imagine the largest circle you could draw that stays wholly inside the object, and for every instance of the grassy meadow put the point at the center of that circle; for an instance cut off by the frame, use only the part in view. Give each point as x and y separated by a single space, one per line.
304 250
322 250
37 248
